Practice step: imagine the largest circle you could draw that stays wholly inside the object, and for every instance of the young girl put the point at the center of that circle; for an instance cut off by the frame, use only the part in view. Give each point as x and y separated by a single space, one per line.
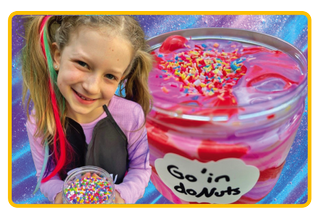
72 67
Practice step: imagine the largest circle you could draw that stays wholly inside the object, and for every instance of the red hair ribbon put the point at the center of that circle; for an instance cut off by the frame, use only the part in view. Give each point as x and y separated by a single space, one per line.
43 23
59 135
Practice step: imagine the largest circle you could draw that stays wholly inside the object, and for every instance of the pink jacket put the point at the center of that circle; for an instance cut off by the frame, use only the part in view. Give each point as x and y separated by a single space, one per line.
129 116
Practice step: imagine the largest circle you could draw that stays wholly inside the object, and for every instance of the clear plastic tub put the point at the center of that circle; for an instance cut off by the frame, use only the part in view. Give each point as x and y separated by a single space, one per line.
203 154
88 185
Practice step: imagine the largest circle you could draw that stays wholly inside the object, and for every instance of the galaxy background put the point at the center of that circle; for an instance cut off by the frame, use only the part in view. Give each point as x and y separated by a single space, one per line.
292 186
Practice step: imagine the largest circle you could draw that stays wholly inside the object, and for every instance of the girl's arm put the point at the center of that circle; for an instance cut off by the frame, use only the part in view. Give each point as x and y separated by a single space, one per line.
134 183
51 188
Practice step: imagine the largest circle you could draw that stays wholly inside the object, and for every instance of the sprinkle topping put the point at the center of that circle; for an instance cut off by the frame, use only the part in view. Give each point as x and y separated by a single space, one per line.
89 190
204 70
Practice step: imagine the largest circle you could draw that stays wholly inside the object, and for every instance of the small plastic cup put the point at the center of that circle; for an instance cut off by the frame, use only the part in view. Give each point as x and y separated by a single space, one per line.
88 185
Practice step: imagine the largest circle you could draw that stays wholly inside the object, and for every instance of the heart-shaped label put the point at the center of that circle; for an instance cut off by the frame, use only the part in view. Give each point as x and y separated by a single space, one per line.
221 182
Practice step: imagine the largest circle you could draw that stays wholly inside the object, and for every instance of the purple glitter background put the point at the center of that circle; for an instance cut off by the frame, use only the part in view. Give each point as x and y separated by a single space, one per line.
292 187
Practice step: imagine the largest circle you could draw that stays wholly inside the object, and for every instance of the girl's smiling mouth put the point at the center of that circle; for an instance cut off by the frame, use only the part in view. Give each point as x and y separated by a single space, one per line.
82 97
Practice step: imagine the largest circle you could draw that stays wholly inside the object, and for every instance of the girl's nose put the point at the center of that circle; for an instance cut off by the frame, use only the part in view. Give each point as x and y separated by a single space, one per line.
91 83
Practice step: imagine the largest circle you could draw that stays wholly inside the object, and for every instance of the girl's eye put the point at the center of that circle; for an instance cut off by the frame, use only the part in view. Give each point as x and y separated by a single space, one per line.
110 76
83 64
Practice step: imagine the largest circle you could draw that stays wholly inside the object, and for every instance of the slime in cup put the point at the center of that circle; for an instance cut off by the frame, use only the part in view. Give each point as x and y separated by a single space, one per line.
88 185
226 111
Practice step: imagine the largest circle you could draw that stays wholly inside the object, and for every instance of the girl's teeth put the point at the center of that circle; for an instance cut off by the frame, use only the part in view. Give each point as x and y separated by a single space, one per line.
86 99
83 98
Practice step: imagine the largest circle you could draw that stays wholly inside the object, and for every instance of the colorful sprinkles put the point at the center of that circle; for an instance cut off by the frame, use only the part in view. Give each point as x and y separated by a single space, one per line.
203 70
89 190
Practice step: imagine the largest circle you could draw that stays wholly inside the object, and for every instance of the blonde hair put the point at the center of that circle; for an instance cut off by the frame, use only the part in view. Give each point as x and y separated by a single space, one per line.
35 68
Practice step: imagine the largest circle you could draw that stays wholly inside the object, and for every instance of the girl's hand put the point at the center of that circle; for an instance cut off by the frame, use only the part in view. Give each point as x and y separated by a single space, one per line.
58 199
118 198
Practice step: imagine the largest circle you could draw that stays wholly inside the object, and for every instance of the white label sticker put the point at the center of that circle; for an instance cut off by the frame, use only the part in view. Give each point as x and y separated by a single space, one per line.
223 182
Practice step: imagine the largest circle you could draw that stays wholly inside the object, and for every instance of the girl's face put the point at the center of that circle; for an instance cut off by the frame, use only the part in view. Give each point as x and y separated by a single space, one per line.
90 67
